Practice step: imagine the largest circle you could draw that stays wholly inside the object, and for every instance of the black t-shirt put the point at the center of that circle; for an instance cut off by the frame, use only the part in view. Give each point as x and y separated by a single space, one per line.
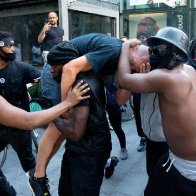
53 37
13 80
101 50
96 138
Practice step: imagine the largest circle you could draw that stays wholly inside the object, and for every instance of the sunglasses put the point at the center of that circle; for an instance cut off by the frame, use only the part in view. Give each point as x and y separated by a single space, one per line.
158 51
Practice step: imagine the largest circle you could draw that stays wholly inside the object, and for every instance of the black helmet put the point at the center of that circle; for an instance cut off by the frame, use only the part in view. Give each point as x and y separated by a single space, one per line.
173 36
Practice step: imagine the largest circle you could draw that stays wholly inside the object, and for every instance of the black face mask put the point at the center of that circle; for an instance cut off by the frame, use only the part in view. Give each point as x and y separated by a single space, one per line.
58 77
160 61
7 56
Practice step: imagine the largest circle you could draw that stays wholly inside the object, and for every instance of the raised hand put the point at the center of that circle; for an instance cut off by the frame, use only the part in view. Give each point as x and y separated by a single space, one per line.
132 42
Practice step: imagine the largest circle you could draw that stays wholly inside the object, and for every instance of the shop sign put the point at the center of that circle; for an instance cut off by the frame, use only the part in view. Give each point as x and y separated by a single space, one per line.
180 21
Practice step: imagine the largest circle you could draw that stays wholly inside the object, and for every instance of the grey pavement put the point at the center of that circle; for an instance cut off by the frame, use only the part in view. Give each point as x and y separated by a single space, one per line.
129 178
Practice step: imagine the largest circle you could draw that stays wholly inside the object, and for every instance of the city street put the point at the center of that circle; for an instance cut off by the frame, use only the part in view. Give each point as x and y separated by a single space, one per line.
129 177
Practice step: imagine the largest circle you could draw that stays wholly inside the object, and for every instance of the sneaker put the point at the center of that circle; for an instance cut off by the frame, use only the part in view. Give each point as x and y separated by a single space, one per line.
39 187
110 169
142 145
6 189
123 153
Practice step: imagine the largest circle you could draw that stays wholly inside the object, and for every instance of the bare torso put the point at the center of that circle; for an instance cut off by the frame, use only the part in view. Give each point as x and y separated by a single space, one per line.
178 110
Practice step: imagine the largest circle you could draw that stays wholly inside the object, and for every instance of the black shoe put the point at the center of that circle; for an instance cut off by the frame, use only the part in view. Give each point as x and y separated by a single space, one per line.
142 145
110 169
5 188
39 187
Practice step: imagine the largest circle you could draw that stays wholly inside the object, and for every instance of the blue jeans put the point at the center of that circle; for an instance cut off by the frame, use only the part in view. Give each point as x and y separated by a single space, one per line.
82 175
50 88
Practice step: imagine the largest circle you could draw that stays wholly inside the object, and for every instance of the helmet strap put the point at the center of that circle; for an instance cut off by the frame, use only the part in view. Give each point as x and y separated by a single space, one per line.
172 63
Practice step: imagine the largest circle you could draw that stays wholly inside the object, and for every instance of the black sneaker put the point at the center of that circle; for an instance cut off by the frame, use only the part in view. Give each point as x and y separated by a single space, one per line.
5 188
142 145
110 169
39 187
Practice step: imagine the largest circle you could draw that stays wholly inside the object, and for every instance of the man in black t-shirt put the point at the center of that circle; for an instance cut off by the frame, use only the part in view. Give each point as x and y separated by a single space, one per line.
97 52
14 76
50 35
88 143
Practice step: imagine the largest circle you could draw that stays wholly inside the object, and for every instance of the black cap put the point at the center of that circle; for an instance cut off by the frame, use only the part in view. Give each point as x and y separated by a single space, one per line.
62 53
6 41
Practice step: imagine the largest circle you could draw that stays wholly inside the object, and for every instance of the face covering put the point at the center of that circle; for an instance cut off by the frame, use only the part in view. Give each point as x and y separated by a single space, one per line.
160 61
7 56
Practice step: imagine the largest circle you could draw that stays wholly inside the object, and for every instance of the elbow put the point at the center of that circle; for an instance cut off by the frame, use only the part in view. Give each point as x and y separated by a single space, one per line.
68 69
31 125
39 40
121 83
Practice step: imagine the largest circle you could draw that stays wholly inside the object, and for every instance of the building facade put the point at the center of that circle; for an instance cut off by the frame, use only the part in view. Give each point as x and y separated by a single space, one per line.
25 19
154 14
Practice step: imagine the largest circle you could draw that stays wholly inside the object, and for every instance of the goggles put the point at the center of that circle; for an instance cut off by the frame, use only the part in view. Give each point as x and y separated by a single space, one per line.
158 51
6 41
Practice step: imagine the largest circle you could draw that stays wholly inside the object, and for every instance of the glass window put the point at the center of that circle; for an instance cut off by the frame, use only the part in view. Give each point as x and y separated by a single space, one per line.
150 22
192 25
193 3
25 30
82 23
141 4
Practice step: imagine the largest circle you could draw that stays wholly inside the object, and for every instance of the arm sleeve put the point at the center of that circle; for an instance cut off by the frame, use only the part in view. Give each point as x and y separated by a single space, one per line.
30 73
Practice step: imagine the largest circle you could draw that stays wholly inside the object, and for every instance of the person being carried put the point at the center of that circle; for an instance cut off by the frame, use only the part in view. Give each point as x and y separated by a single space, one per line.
92 51
174 81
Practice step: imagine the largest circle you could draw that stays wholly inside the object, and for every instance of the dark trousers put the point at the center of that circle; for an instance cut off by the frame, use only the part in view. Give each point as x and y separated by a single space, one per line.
136 111
5 188
114 114
21 143
82 175
154 151
171 183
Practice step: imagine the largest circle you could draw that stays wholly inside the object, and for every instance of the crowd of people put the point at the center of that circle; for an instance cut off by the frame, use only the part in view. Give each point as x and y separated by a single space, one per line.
102 73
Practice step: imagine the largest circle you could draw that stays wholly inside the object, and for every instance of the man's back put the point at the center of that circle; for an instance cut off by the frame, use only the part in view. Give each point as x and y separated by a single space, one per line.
102 51
177 105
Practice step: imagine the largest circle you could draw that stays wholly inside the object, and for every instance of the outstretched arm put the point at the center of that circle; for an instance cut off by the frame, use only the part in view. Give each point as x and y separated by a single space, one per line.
18 118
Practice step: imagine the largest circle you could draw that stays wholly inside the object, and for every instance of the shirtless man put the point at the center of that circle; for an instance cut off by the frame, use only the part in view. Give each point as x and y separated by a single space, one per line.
175 83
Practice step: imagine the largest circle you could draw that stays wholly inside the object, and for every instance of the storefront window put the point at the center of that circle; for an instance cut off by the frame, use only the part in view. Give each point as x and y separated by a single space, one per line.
143 4
193 3
175 13
25 30
150 22
82 23
192 25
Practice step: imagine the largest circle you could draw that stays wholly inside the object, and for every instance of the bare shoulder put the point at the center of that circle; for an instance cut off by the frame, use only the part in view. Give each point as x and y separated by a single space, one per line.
161 78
